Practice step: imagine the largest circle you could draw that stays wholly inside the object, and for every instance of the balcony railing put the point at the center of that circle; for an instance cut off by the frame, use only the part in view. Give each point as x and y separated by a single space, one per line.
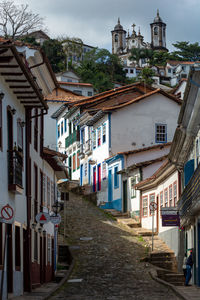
74 137
82 151
15 168
88 146
190 196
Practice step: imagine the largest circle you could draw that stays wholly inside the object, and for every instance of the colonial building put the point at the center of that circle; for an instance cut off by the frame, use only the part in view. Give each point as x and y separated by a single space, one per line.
122 43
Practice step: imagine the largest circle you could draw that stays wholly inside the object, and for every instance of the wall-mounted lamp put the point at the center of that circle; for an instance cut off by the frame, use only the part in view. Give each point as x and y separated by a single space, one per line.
40 229
13 110
23 123
33 225
44 232
1 95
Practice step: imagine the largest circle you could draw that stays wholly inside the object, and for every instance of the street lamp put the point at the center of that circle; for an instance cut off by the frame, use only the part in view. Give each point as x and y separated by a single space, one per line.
56 207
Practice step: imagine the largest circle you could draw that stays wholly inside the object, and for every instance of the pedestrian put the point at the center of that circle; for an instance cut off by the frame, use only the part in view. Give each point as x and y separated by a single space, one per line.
189 265
184 265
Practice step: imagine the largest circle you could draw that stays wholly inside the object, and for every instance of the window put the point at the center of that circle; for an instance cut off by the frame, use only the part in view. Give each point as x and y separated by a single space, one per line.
62 128
155 30
44 189
78 92
131 71
94 139
36 131
36 189
151 199
99 137
48 191
86 169
116 38
175 193
133 183
89 94
20 135
126 70
104 133
70 127
78 160
161 133
116 178
104 170
65 124
166 198
17 248
74 162
52 193
58 130
48 249
41 188
99 177
169 70
1 125
1 244
161 199
170 196
144 206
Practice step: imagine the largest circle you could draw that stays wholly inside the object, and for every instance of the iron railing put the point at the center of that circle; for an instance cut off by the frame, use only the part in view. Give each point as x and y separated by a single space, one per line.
15 167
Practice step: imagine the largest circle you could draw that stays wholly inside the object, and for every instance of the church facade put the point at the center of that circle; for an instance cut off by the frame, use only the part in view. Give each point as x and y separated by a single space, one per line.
123 42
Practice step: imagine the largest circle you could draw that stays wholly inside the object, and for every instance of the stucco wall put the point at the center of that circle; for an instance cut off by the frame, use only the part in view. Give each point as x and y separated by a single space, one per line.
133 126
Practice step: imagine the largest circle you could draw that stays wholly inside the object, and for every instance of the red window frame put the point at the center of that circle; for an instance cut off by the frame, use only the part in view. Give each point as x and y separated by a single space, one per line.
152 194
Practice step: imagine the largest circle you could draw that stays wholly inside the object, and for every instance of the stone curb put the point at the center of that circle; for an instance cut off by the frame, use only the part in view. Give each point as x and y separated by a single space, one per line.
172 287
61 282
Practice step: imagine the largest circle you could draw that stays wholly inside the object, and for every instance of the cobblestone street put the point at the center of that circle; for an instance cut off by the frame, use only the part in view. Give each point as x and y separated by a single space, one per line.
107 259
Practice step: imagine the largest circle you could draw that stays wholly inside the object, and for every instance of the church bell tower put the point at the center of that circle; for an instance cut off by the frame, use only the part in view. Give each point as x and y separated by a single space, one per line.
158 34
118 39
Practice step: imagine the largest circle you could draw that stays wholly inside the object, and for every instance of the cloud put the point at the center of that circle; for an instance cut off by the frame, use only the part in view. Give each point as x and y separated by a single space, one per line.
92 20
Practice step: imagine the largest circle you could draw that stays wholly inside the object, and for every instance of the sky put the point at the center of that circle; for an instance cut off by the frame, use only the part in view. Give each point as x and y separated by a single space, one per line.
93 20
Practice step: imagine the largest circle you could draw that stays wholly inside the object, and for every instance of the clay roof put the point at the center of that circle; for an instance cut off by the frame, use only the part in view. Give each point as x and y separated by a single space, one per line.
158 146
63 95
75 83
151 179
179 62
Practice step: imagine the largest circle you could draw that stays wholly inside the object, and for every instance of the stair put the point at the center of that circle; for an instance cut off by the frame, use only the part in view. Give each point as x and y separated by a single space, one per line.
116 213
176 279
165 260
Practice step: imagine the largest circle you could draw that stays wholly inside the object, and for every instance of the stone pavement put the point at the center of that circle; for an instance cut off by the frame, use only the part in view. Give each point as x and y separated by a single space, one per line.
107 259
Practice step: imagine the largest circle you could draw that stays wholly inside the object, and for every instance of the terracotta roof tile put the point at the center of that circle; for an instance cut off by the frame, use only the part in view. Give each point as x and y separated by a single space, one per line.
63 95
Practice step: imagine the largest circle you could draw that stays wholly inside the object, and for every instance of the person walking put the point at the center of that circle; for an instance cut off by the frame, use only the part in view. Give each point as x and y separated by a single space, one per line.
184 265
189 265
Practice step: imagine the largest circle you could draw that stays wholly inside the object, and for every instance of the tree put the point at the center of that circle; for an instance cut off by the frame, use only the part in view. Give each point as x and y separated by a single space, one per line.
55 53
17 21
187 51
102 69
72 47
146 75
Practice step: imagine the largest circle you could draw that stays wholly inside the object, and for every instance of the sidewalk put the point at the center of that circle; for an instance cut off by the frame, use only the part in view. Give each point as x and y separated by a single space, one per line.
46 290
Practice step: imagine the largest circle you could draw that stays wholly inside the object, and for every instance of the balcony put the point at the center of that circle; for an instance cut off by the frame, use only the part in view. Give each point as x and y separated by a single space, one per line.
15 169
74 137
189 203
88 147
82 151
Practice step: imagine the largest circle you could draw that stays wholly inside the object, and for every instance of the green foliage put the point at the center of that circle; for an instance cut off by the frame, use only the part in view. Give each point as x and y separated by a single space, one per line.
30 40
102 69
55 53
187 51
146 75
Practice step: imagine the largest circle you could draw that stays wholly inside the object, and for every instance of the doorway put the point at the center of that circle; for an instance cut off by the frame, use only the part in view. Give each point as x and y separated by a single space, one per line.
125 206
9 263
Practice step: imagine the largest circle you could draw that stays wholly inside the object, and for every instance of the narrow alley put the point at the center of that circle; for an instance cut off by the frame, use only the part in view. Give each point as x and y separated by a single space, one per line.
107 259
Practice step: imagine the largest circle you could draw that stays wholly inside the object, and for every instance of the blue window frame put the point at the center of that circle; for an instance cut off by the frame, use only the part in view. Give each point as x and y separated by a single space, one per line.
103 133
58 130
161 133
116 178
65 123
99 137
62 128
94 139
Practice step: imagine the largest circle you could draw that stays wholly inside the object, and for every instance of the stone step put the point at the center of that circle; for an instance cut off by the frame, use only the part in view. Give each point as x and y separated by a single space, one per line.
162 254
169 265
176 279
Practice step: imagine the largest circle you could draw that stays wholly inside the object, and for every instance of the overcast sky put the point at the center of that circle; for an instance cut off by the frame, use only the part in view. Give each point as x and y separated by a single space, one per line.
93 20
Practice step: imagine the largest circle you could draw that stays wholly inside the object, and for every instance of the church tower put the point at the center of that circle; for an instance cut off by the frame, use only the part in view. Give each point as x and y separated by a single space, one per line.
158 34
118 39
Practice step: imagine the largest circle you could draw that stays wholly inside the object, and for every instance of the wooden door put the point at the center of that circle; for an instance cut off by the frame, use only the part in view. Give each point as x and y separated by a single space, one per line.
125 196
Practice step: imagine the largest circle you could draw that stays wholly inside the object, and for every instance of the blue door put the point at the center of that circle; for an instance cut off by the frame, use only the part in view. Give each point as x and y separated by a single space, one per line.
110 185
81 175
198 275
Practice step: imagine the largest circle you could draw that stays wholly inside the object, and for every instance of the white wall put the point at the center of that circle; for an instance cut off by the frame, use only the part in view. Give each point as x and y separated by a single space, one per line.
135 123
